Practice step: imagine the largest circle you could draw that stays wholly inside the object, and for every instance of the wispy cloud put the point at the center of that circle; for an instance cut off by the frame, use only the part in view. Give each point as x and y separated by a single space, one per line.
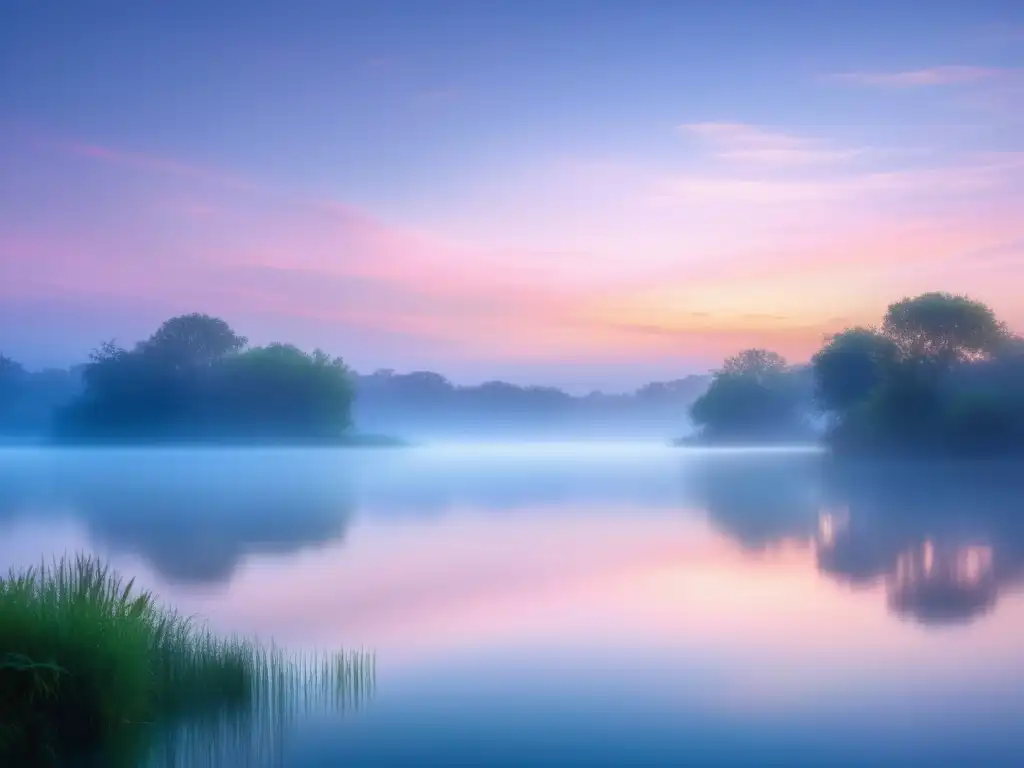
148 162
748 143
813 242
1000 35
713 339
273 252
841 274
931 76
968 177
1008 252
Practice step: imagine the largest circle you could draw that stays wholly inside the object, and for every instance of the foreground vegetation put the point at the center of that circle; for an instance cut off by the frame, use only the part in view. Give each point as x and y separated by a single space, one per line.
91 665
940 375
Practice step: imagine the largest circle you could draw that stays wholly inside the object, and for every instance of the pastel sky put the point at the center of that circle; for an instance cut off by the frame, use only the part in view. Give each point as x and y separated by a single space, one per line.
574 192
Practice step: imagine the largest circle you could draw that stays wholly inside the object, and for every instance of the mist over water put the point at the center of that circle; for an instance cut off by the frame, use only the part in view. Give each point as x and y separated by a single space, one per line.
581 603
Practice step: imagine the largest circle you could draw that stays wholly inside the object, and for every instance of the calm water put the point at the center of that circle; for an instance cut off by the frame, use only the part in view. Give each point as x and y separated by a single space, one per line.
582 605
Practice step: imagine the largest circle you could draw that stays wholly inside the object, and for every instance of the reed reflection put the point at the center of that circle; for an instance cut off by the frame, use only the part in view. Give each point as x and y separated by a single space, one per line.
295 688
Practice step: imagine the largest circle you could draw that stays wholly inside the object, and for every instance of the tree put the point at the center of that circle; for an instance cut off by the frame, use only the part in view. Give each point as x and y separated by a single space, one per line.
9 367
850 367
193 380
279 390
192 341
941 329
755 395
943 374
12 377
760 364
11 374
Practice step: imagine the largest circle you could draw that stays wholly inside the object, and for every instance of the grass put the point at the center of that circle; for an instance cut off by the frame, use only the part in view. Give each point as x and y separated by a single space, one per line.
89 664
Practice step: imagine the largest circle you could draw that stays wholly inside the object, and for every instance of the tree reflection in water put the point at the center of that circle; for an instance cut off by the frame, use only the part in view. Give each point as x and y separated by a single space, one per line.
192 515
944 539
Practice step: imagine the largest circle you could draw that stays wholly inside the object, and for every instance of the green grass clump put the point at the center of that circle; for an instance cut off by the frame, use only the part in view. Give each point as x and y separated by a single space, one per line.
90 664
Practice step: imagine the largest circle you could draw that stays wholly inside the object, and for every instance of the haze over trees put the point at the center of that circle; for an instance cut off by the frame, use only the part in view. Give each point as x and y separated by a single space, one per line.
28 399
196 379
756 396
941 374
428 405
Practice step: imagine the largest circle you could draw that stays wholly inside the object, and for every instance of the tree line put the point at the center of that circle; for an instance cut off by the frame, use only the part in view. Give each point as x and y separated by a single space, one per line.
29 399
426 404
940 374
195 378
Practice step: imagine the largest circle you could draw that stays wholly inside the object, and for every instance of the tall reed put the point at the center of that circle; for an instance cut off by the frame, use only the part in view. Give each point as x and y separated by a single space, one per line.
89 663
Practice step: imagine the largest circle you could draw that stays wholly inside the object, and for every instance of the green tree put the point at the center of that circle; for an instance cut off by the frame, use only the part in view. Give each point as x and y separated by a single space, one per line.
760 364
942 374
193 379
11 374
753 396
9 367
941 329
12 377
192 341
280 390
851 367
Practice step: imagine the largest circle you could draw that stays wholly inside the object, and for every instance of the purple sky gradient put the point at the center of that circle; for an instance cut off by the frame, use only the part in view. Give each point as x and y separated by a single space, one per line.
582 194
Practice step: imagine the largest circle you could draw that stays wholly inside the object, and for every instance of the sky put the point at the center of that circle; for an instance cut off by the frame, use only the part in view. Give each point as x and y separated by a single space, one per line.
585 194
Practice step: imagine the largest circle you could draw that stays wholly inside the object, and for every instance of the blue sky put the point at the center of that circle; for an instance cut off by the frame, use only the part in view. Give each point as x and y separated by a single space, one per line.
556 192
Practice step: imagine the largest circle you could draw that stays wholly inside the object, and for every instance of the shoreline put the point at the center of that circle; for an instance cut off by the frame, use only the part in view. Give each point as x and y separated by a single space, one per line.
353 441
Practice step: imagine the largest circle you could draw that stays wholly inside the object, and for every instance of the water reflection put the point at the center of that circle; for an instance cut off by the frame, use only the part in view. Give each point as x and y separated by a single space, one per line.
945 539
499 479
192 516
943 542
758 500
662 599
938 583
260 734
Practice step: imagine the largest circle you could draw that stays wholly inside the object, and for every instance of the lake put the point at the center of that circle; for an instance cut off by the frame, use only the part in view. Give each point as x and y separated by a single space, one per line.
602 605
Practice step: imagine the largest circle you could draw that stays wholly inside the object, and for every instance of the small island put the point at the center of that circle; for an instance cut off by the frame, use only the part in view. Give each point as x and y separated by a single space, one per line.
195 381
940 376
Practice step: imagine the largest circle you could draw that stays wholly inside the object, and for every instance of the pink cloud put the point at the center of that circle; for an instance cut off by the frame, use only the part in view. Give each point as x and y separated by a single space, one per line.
967 177
716 338
789 298
151 163
931 76
273 254
306 233
666 272
407 293
748 143
851 248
